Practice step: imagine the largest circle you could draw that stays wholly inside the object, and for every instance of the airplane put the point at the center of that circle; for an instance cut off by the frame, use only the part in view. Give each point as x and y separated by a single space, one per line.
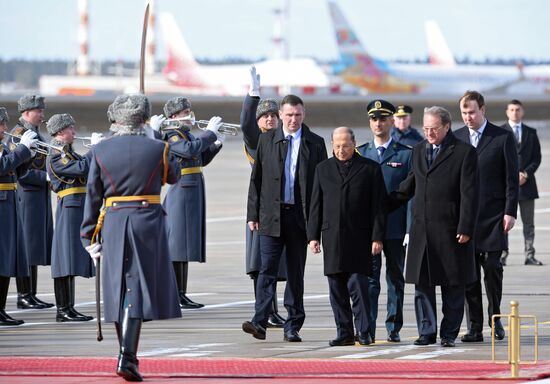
438 50
277 75
358 68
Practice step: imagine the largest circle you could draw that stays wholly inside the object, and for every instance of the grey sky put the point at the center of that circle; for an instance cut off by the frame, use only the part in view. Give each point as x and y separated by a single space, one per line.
47 29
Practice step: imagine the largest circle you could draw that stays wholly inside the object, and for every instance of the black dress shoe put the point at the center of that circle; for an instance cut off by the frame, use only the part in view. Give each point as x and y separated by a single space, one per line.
292 337
499 330
27 302
425 340
532 261
255 329
187 303
65 315
357 338
445 342
341 341
7 320
394 337
364 339
472 337
274 321
46 305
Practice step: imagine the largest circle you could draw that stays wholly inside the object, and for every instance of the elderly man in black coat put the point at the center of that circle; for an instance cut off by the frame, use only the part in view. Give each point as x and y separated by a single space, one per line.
347 214
445 184
499 188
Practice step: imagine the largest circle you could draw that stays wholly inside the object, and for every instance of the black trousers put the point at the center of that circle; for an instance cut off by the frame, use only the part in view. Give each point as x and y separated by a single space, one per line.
344 287
492 277
294 238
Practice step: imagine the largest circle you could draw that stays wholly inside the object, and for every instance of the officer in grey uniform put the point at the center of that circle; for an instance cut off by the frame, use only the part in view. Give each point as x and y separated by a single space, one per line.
258 116
127 171
68 172
395 162
35 208
13 262
185 201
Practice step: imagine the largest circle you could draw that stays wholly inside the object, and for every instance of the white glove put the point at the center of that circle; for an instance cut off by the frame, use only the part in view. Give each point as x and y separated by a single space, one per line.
48 177
220 140
406 240
156 121
95 251
96 138
254 89
214 124
28 139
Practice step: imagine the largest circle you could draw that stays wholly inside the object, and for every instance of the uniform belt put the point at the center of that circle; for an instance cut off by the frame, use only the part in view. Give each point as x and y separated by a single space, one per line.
111 202
189 171
71 191
151 199
8 186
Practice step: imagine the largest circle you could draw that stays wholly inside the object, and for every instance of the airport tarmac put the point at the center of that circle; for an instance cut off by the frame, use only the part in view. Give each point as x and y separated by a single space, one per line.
222 285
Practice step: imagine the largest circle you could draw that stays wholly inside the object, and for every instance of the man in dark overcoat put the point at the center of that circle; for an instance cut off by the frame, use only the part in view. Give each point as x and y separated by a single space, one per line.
127 171
445 185
13 262
499 188
278 207
347 216
258 116
35 206
68 173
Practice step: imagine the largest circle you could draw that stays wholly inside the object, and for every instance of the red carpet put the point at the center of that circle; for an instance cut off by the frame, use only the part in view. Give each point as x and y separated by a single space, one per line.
268 368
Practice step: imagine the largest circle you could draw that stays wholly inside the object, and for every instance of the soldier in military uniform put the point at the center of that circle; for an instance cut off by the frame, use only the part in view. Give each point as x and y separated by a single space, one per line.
35 208
258 116
395 161
126 174
185 201
13 262
68 172
403 131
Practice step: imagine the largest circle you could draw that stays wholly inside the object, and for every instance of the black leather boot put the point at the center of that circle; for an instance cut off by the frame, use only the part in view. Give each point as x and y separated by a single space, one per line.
5 319
128 363
181 268
34 280
71 301
275 320
63 300
25 300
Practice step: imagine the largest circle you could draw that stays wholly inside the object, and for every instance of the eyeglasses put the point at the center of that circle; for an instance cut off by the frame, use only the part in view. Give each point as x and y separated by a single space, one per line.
434 130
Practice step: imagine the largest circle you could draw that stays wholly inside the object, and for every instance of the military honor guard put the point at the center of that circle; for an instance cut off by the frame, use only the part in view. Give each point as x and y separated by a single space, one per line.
68 173
403 131
347 216
185 201
395 162
13 262
35 208
128 234
259 116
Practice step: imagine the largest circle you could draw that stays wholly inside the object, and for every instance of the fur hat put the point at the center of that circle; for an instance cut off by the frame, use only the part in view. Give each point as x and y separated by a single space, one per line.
59 122
28 102
129 110
4 117
175 105
265 106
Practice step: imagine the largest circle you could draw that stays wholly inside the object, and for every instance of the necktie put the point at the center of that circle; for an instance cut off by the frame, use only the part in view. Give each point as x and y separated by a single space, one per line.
289 183
435 152
381 150
516 132
475 138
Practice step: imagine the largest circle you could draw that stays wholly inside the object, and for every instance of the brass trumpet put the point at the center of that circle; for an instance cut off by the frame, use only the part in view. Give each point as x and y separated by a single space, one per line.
85 139
178 122
41 147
